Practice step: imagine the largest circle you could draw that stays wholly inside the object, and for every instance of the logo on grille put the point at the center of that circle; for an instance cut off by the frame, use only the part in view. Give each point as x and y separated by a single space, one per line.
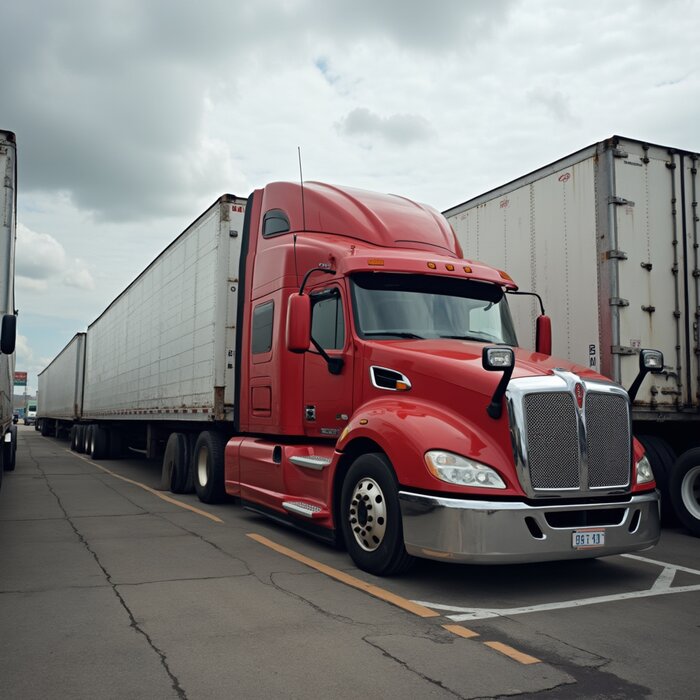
579 392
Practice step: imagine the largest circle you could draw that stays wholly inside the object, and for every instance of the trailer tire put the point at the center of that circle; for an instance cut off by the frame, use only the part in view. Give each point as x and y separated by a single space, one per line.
685 489
45 428
662 458
9 451
208 467
177 467
99 442
87 439
370 517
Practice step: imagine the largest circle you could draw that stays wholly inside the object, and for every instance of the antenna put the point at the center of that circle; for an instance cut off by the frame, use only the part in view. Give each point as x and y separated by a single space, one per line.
301 180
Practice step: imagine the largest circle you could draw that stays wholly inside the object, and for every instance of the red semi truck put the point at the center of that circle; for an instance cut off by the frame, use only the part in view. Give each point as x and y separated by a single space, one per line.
372 392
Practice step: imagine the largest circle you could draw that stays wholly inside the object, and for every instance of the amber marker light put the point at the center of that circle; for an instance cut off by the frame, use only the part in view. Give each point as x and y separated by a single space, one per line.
450 268
402 386
432 266
375 261
467 268
505 276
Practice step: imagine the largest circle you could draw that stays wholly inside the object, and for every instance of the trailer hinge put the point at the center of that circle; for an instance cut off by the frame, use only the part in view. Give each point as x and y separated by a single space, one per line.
620 201
617 301
696 273
671 392
670 165
616 255
623 350
647 266
619 152
649 309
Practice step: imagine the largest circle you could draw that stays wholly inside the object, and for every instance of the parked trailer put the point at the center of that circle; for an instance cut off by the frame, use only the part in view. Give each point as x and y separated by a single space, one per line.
8 219
60 397
608 236
332 362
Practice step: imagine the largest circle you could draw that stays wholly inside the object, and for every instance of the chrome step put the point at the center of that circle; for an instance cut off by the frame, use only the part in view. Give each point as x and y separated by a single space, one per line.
301 508
310 461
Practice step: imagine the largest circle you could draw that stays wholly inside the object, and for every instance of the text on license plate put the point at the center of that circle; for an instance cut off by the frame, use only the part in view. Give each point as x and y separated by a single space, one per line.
585 539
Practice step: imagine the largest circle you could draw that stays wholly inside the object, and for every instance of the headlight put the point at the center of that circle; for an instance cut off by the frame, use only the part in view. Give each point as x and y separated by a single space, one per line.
644 471
455 469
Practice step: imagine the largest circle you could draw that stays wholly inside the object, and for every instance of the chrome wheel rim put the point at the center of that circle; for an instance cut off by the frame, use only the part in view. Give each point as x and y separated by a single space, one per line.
690 492
367 514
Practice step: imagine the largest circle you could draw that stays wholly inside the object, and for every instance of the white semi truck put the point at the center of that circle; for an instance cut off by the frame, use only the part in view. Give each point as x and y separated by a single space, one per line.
8 214
608 236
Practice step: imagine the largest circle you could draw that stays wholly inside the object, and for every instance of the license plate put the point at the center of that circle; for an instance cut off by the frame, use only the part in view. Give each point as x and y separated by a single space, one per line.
588 539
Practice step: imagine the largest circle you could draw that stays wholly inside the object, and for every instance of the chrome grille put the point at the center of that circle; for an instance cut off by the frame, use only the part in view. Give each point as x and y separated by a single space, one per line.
551 429
607 440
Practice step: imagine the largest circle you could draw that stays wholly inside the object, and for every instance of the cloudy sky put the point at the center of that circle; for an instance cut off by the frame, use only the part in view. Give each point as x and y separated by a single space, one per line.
132 116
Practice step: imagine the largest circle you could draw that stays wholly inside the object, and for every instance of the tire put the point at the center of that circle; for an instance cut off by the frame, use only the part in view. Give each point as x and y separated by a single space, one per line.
9 450
45 428
80 439
99 442
208 467
662 458
87 439
370 517
177 469
684 487
74 438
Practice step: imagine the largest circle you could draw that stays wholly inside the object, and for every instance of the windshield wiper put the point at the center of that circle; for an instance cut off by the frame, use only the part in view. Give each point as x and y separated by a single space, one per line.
394 334
480 338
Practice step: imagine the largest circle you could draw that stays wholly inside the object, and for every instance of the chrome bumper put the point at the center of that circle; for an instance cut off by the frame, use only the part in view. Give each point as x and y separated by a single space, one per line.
493 532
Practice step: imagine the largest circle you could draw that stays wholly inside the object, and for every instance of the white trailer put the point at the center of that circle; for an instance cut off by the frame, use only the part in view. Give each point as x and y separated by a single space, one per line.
163 352
60 395
608 237
8 317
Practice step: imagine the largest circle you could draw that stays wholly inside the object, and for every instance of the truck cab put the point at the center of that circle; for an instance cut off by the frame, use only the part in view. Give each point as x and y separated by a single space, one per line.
383 399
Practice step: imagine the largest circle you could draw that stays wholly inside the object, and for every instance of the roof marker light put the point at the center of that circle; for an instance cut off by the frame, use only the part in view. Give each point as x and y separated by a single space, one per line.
505 275
467 268
432 265
375 261
450 268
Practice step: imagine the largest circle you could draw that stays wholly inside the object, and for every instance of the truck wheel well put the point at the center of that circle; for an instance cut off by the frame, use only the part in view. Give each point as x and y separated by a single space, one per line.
353 450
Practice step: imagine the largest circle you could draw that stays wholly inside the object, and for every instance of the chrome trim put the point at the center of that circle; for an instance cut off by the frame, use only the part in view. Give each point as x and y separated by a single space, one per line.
402 378
563 382
310 461
444 528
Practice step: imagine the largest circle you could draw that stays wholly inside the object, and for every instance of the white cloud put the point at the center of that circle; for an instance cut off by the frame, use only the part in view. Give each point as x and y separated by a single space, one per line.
400 129
40 258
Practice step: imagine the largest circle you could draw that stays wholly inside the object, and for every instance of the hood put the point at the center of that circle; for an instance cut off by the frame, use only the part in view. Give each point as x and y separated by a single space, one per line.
458 362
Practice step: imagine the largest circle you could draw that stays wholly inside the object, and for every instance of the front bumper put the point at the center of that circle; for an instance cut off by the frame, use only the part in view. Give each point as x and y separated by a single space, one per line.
493 532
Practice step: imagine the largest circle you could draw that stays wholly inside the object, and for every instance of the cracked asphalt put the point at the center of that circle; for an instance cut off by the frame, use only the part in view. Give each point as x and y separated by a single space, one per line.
107 591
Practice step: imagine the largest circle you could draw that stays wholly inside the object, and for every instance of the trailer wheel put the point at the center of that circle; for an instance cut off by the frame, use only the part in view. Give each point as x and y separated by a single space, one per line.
87 439
99 442
685 489
80 439
662 458
177 470
9 451
45 428
208 467
370 517
74 438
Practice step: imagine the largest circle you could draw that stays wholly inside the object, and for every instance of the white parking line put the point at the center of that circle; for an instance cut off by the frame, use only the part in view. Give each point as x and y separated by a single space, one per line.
661 586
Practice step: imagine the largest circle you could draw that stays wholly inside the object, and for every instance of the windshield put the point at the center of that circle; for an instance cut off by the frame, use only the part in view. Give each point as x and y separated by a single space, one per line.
390 305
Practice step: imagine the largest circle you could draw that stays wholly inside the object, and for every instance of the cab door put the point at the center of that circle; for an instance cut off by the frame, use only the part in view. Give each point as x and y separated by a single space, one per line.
328 397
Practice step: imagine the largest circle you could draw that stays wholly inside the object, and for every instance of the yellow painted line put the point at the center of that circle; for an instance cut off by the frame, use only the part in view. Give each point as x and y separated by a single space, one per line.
347 579
461 631
159 494
514 654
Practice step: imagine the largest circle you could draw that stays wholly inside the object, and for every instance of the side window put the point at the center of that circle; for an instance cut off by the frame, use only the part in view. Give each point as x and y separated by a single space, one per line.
262 328
275 222
327 319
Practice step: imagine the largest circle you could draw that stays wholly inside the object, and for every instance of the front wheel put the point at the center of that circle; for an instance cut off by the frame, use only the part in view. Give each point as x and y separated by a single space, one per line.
370 517
685 489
